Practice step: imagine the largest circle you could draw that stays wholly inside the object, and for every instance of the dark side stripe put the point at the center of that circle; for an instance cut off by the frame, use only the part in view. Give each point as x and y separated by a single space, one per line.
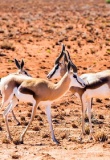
26 91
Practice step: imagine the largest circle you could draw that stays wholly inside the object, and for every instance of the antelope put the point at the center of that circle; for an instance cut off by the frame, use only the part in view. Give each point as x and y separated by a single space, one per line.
7 88
37 91
97 85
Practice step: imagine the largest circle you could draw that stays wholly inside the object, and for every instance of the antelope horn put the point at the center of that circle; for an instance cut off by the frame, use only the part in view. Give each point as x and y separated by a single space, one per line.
74 67
72 64
61 54
65 58
68 56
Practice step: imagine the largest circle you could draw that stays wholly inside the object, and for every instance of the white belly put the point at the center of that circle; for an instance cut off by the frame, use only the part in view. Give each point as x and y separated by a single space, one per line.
29 98
23 97
101 92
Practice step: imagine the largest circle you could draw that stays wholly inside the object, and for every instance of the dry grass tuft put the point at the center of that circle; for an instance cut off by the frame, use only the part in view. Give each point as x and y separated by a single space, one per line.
3 121
107 106
72 139
107 1
74 125
8 46
24 123
42 112
36 128
6 141
41 123
28 114
22 118
15 156
63 135
45 135
101 116
1 128
98 100
38 117
87 130
101 136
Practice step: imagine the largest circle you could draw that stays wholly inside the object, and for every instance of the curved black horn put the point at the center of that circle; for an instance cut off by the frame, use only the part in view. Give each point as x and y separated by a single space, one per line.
17 63
65 57
68 56
72 64
22 64
74 67
61 54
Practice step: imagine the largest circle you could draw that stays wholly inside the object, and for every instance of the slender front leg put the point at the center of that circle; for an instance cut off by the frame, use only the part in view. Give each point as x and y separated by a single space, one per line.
5 102
6 112
83 118
7 127
18 123
6 99
32 117
89 116
48 112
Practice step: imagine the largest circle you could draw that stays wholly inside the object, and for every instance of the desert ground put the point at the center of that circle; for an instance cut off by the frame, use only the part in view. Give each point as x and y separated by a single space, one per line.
30 30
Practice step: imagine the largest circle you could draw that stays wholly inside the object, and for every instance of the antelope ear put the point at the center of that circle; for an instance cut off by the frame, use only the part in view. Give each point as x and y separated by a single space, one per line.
65 58
17 64
74 67
72 64
63 47
69 66
61 54
22 64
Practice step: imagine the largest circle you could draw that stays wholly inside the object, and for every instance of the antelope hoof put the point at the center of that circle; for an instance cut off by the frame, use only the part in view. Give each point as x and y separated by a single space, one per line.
56 141
80 138
9 138
84 134
90 138
18 124
21 142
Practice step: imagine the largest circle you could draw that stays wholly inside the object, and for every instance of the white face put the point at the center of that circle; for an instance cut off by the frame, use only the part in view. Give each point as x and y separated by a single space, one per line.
76 81
55 72
23 72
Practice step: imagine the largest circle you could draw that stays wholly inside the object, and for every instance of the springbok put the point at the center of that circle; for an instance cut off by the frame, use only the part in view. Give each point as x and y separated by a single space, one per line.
7 86
37 90
97 85
6 89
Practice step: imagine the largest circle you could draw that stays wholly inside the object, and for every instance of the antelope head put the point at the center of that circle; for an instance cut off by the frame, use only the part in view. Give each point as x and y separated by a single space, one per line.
75 79
20 68
60 66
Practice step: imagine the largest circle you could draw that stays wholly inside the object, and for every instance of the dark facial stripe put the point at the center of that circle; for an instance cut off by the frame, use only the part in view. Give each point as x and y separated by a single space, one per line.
57 66
77 79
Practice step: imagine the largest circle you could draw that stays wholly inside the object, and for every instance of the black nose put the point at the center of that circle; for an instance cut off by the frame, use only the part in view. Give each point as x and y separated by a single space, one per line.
48 76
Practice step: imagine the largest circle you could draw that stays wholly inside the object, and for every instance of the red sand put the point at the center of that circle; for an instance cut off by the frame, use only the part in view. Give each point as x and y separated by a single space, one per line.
32 28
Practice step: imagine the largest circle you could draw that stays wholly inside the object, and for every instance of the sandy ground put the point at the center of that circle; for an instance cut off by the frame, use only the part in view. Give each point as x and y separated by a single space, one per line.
31 30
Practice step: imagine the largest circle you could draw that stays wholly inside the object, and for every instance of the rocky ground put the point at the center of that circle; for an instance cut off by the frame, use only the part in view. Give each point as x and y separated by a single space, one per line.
31 30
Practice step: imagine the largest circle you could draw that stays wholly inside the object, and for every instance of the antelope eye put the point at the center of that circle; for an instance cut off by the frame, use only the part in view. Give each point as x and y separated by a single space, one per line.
25 72
74 76
60 63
